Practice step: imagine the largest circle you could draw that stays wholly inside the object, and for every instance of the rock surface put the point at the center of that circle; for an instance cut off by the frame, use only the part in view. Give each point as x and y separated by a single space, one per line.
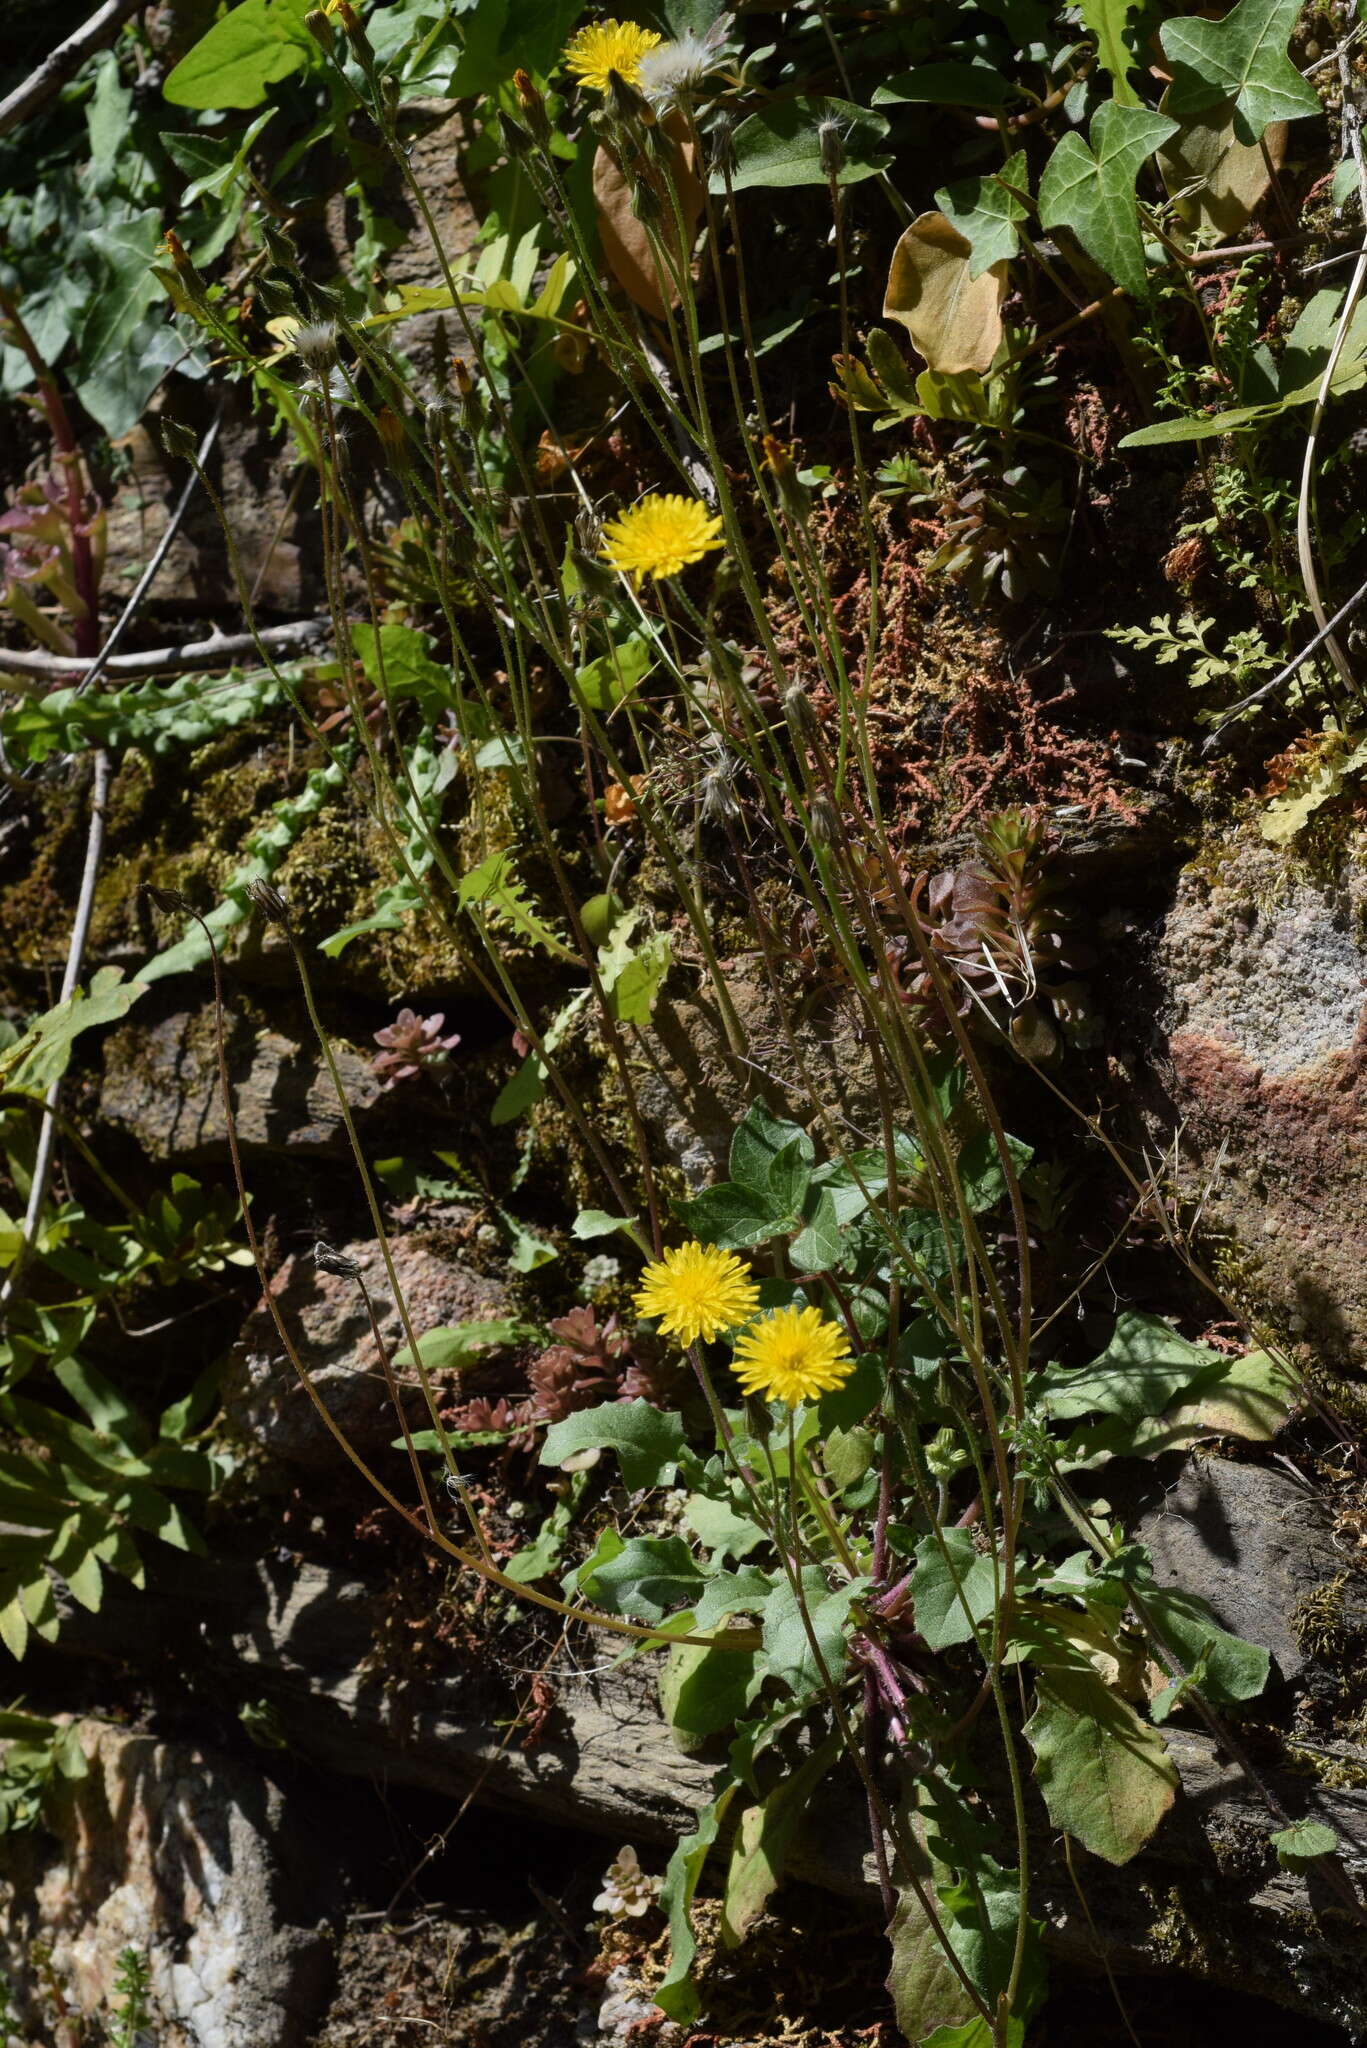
1264 982
192 1861
327 1318
161 1085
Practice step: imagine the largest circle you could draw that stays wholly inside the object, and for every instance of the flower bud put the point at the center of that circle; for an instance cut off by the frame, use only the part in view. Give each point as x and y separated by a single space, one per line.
823 821
533 108
320 28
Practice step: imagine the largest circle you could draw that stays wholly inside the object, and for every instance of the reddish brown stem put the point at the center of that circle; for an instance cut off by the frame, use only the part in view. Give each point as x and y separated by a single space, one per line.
69 458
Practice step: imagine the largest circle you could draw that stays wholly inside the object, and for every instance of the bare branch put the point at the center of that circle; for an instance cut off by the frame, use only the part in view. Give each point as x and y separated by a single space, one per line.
64 62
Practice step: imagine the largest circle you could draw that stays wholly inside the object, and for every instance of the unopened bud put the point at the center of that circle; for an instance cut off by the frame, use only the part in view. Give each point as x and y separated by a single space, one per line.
800 714
645 203
623 104
320 28
393 435
268 899
533 106
823 821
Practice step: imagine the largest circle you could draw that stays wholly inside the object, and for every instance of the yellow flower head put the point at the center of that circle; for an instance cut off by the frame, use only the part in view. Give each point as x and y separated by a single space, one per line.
697 1291
794 1355
660 536
606 46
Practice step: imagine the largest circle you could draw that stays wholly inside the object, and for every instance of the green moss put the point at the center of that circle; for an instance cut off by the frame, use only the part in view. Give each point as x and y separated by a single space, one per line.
1319 1625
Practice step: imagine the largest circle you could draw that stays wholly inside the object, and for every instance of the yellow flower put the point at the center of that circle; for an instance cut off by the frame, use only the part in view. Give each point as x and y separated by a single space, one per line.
660 536
794 1355
697 1291
606 46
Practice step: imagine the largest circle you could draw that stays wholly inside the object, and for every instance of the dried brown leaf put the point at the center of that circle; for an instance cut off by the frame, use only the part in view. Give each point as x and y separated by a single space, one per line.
1229 178
954 319
626 245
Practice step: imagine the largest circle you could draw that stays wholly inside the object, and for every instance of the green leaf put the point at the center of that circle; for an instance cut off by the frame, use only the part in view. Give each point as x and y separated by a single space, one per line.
633 970
1242 58
787 1649
1106 1776
954 1594
759 1141
1108 21
648 1441
781 145
744 1592
613 677
677 1995
1143 1368
594 1223
985 213
41 1056
720 1529
703 1691
1302 1842
1091 190
1233 1670
764 1838
212 163
454 1347
925 1989
729 1216
818 1246
649 1578
253 47
948 85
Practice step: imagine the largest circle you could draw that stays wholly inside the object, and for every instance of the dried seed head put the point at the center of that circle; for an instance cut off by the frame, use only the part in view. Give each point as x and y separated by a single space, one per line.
269 901
329 1261
316 342
721 146
832 144
169 902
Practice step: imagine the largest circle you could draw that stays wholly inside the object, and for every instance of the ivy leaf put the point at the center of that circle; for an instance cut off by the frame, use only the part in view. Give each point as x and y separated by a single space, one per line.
985 213
648 1441
1091 189
254 46
1242 58
1108 20
1106 1776
761 1139
781 145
